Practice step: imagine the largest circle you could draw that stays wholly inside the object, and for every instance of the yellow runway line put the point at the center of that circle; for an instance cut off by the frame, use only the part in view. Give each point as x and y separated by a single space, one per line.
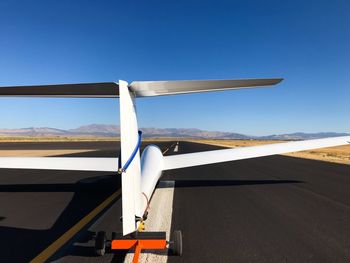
50 250
165 151
168 148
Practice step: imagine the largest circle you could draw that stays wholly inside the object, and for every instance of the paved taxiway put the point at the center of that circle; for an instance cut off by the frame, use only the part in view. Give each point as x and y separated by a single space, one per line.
271 209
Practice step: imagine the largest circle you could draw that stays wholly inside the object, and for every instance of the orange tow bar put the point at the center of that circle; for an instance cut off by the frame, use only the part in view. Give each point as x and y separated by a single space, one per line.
139 241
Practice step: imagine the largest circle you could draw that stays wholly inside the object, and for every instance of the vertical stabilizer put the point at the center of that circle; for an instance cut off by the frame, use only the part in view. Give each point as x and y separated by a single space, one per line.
131 178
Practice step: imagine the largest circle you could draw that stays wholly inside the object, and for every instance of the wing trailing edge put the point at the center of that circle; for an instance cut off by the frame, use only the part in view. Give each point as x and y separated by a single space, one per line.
225 155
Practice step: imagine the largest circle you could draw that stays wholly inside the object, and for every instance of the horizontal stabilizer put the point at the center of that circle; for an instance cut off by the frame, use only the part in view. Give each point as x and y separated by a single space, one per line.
82 90
138 88
158 88
218 156
61 163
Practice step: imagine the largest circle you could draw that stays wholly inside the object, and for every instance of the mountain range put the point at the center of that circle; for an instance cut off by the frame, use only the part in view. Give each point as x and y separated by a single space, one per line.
102 130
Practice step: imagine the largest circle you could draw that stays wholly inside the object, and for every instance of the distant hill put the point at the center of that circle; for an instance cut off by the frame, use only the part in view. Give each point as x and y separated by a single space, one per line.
38 132
96 130
102 130
303 136
191 133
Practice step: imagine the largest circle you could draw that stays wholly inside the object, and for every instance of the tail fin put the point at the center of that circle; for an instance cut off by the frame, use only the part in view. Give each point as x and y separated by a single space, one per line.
131 177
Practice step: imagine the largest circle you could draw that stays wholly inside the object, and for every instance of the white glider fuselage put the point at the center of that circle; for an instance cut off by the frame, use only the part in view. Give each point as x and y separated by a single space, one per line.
152 162
140 175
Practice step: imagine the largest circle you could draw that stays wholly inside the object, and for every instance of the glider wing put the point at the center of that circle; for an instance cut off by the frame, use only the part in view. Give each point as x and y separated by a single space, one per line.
218 156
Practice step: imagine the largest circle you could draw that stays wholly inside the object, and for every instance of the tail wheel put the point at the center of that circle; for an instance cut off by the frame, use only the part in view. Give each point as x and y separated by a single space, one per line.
100 243
177 243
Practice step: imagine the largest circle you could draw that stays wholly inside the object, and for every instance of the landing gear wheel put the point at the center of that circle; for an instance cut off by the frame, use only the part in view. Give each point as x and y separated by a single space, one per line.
100 243
177 243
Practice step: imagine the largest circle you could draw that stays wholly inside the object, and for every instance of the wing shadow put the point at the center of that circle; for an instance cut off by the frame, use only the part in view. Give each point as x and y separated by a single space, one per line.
88 194
223 183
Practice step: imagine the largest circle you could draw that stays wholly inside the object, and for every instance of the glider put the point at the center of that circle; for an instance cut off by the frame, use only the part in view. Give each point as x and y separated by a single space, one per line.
140 174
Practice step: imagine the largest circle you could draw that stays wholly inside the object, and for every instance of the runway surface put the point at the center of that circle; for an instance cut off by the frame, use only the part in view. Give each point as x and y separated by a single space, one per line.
271 209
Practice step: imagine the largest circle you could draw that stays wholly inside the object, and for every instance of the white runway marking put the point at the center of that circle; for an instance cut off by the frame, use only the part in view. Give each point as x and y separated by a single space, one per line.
176 149
162 200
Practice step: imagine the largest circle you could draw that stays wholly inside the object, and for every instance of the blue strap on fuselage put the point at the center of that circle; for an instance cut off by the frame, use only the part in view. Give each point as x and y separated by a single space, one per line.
126 165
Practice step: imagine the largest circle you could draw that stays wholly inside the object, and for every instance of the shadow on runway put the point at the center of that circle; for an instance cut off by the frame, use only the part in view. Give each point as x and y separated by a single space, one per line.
22 244
210 183
88 251
89 185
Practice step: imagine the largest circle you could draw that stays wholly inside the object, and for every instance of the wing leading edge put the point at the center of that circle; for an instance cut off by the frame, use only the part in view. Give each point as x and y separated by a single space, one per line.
218 156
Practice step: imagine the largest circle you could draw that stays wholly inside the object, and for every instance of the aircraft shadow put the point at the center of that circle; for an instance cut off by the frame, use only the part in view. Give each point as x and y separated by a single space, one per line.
211 183
95 184
22 244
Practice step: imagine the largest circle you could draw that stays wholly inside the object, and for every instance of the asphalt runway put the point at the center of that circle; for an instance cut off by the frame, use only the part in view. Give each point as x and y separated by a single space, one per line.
271 209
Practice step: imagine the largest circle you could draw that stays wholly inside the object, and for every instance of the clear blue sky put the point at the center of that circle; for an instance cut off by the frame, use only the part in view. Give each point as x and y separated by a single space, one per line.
305 42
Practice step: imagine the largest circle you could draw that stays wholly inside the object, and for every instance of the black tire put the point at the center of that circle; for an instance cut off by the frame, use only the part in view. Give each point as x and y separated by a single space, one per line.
100 243
177 245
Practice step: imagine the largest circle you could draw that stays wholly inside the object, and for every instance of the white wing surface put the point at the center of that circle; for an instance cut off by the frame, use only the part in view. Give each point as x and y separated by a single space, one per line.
218 156
61 163
158 88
